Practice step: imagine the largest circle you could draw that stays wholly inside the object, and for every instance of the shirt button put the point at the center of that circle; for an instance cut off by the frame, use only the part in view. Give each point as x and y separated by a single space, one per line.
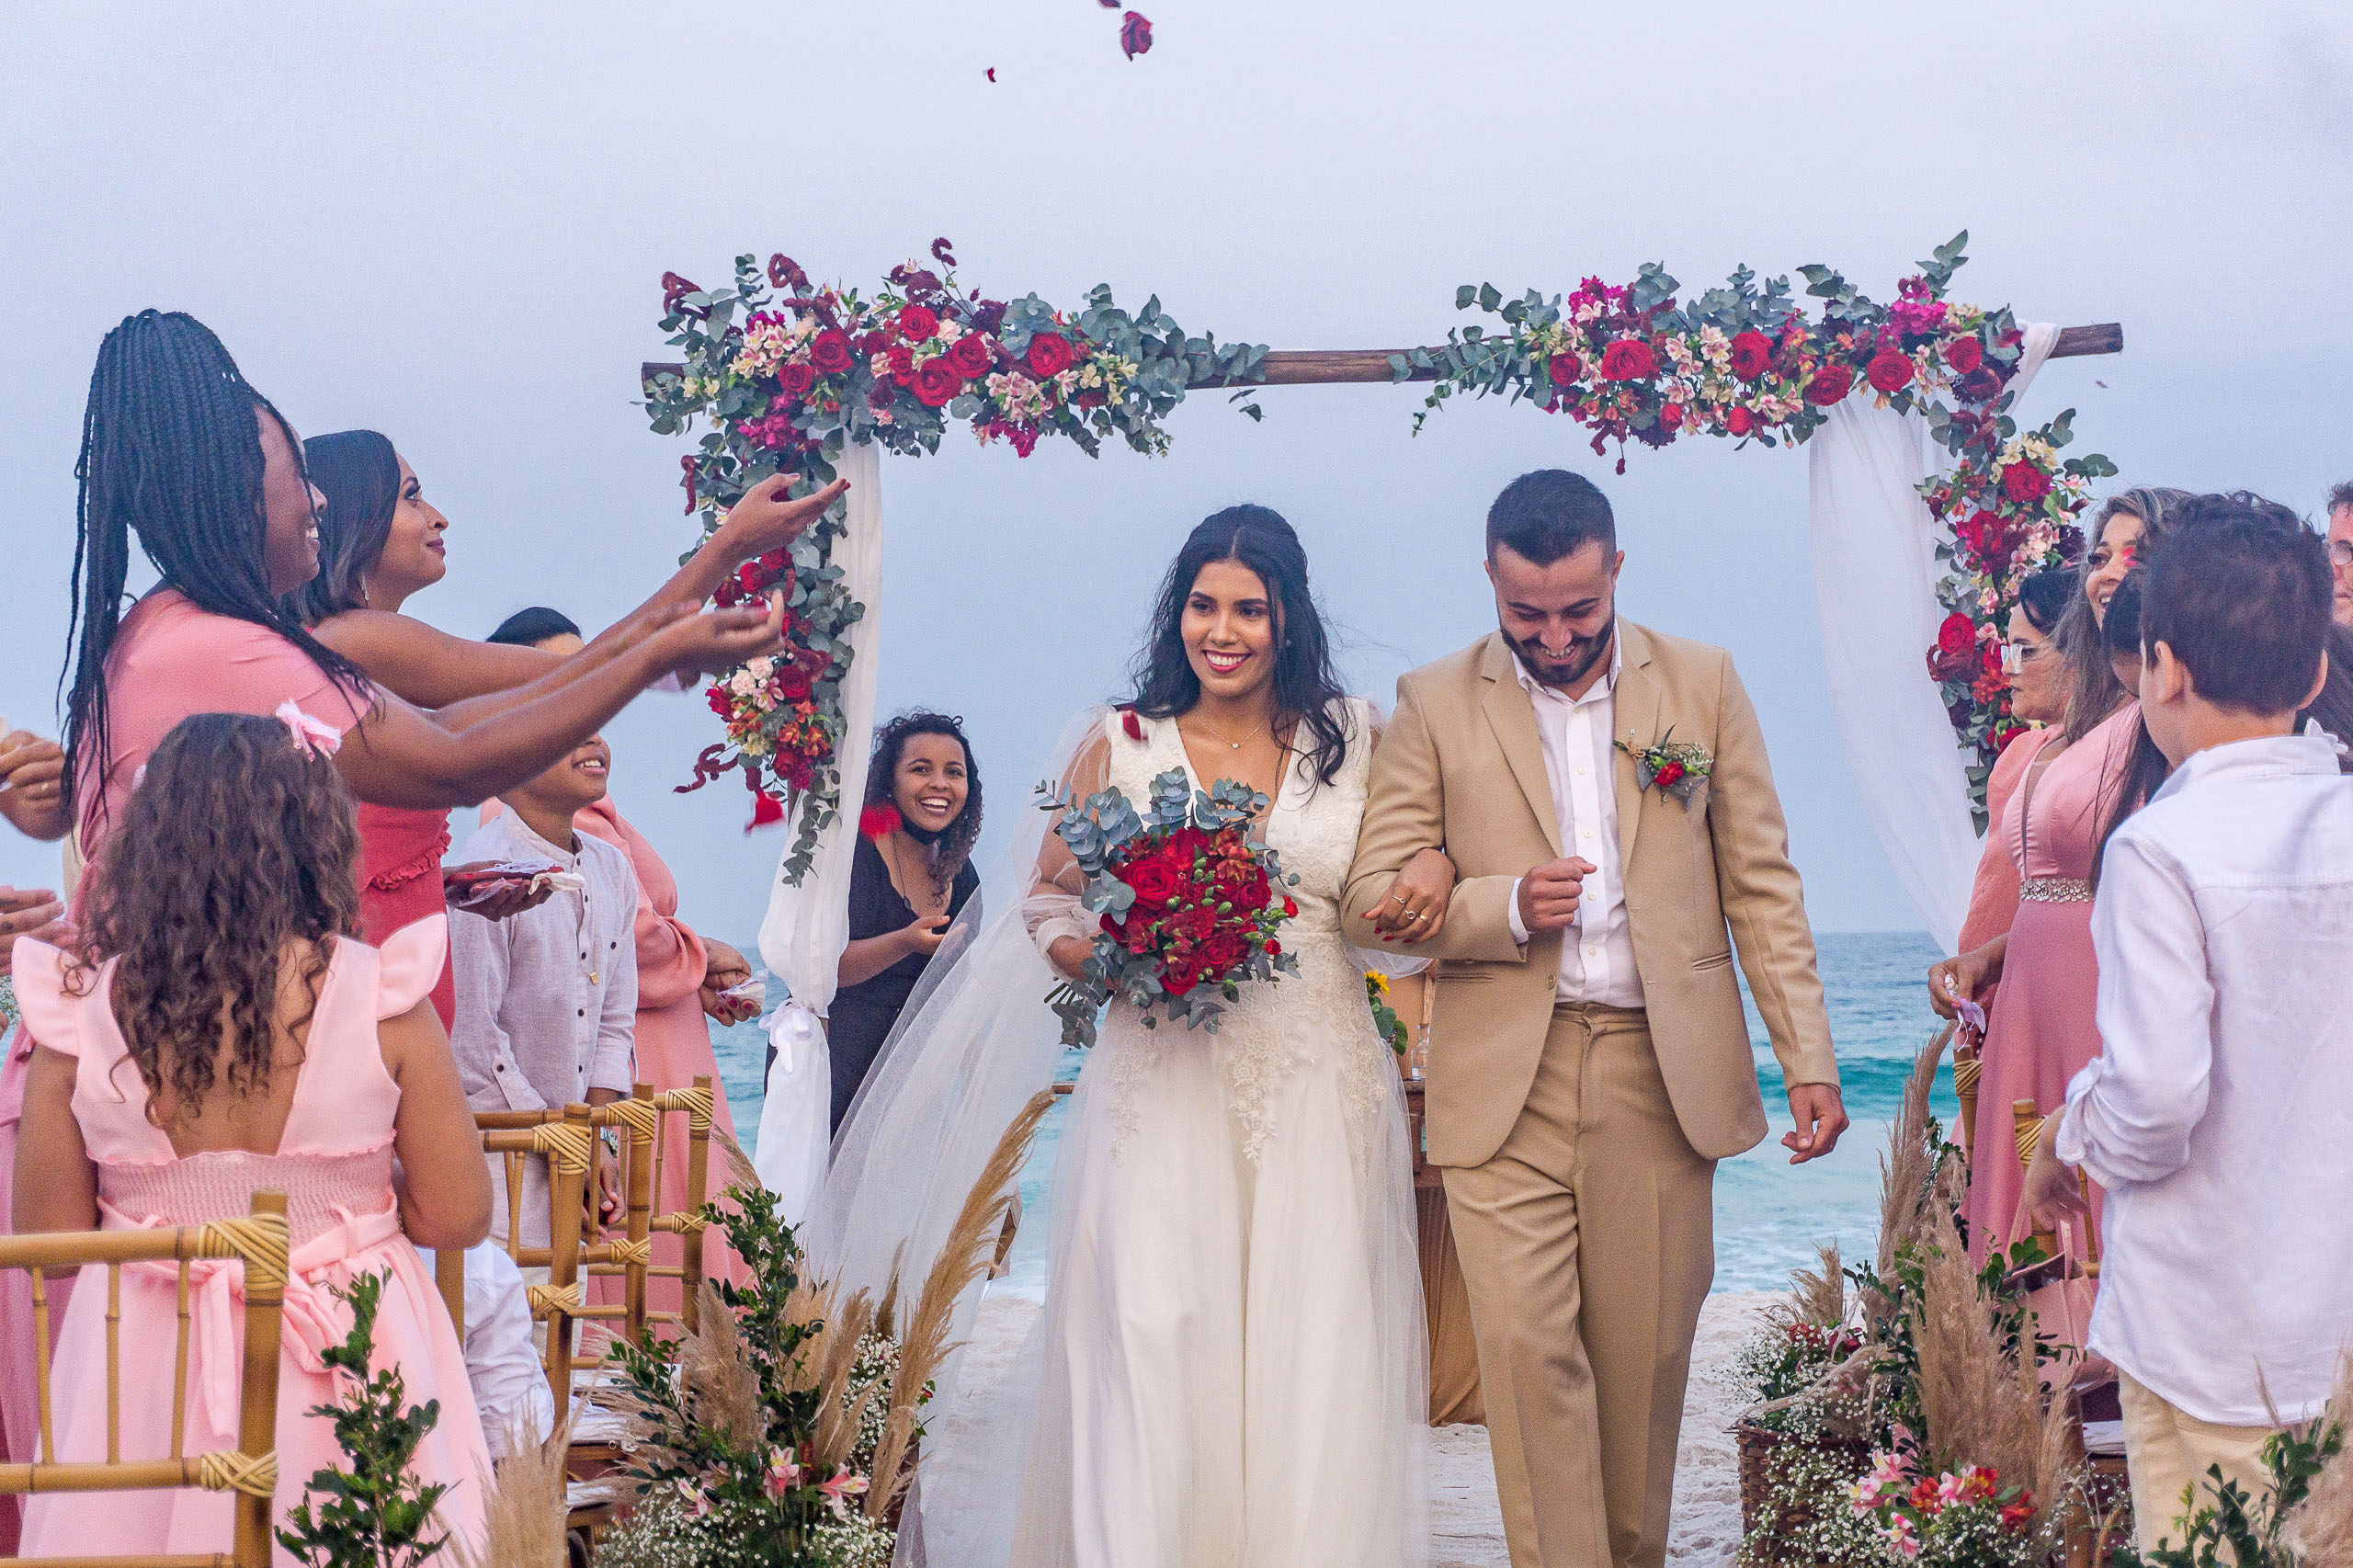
1581 772
1588 833
584 1012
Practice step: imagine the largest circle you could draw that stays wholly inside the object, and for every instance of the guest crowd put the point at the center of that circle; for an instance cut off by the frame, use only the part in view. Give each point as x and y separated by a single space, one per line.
260 979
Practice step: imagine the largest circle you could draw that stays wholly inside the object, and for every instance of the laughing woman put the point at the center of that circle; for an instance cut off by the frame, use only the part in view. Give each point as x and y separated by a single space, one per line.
910 878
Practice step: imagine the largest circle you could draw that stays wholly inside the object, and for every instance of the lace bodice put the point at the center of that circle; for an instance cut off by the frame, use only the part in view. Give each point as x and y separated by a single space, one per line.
1274 1028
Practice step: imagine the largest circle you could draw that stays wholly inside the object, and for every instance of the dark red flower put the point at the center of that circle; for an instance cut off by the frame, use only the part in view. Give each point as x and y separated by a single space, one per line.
2024 483
968 356
795 380
1222 951
1179 976
1958 634
878 821
674 291
940 252
1135 34
1274 948
1671 416
902 365
2002 737
1981 385
829 351
1889 372
867 345
785 273
1130 723
1629 359
1752 355
1964 353
766 807
1739 421
721 703
1670 776
879 397
1049 355
687 466
1290 909
1155 879
1563 367
1829 384
792 683
934 384
917 323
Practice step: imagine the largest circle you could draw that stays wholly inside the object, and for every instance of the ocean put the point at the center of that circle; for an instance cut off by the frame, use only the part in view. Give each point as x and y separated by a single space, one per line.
1770 1215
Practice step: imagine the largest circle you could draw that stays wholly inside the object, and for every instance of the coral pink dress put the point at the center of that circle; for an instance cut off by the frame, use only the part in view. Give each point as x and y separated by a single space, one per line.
2044 1025
1994 892
400 882
169 660
334 1164
673 1041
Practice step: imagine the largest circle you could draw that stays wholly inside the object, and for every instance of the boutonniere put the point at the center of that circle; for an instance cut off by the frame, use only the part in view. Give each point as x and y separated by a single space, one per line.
1675 767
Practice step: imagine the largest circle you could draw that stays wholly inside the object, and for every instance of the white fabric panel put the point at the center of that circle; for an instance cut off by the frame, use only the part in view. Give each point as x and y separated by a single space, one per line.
1875 572
807 927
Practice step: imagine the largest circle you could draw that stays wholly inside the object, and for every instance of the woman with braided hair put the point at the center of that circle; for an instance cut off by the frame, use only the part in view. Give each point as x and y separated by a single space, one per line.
215 1030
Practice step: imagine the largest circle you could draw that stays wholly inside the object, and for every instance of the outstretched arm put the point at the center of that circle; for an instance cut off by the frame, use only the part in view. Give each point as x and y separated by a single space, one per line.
1404 814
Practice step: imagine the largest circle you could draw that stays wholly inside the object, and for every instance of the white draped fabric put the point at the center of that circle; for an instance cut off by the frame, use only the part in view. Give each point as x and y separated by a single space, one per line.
1875 572
807 927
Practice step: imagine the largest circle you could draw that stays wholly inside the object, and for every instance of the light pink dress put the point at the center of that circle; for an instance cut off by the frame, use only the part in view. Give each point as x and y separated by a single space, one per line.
334 1164
673 1042
2044 1024
169 660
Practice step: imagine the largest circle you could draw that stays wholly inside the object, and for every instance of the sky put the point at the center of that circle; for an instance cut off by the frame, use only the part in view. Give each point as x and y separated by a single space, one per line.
448 223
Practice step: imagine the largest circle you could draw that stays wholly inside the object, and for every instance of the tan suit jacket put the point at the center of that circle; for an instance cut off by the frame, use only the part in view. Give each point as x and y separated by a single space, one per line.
1462 768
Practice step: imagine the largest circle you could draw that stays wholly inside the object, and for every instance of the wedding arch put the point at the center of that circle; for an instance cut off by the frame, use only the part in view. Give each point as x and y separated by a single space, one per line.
1925 494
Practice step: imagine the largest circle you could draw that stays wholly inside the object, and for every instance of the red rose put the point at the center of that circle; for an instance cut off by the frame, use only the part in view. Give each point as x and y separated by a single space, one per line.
1964 353
2024 483
1958 634
1049 355
1667 776
1222 951
935 383
1629 359
1274 948
1752 355
1254 895
795 380
1563 367
1739 421
1983 384
1889 372
968 356
792 683
902 365
829 352
1155 882
2003 738
1179 976
917 323
721 703
1290 909
1671 416
1829 384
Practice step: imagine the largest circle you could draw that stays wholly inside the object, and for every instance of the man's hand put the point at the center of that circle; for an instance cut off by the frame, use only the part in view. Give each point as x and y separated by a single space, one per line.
2052 1190
33 913
1820 1115
1549 894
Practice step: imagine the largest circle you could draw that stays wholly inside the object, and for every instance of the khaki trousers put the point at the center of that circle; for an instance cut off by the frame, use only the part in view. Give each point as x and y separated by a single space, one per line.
1589 1244
2168 1451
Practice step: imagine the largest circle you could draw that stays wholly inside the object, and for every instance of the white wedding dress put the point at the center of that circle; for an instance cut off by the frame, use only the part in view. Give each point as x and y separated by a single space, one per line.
1229 1370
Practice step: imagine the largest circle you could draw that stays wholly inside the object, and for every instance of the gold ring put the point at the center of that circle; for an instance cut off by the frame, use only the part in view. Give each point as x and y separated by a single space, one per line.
1422 915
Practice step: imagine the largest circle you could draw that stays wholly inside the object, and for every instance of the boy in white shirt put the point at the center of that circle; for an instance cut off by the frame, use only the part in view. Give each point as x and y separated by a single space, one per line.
2219 1114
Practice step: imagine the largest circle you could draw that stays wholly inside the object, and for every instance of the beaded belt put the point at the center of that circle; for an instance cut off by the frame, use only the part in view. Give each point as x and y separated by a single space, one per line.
2055 889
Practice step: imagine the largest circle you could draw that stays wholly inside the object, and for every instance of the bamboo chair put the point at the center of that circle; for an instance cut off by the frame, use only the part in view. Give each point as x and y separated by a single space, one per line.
646 1129
249 1469
567 1140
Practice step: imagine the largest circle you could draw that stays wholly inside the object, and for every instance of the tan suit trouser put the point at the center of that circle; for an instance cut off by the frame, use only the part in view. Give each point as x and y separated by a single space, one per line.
2167 1453
1589 1244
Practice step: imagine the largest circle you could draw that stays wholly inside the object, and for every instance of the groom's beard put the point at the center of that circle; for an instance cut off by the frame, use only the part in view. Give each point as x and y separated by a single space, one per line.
1567 667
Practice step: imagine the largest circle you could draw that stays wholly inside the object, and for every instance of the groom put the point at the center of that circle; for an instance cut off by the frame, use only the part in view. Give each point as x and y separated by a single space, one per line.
1589 1063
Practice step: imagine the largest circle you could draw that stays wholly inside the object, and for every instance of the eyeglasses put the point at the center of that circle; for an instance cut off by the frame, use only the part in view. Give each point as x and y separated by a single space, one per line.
2340 553
2016 657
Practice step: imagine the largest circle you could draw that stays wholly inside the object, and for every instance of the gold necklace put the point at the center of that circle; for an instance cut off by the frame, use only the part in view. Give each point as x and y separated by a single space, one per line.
1237 745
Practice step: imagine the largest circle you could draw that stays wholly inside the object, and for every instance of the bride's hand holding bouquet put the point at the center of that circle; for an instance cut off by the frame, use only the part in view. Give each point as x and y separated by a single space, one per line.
1189 904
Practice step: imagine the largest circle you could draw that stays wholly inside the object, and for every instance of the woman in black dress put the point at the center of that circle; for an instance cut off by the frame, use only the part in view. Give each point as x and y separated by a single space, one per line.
910 880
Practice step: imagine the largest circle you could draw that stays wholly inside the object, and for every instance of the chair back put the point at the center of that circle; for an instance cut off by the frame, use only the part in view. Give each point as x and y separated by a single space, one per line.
567 1140
676 1213
250 1470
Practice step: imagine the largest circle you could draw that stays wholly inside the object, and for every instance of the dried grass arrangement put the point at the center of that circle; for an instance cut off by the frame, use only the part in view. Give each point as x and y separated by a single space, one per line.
781 1432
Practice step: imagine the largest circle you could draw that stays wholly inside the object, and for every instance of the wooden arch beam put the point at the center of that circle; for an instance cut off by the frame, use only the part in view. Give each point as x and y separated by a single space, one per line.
1333 367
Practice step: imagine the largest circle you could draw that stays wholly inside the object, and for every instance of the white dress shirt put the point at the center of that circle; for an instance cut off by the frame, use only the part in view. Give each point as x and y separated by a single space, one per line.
2219 1114
547 999
1597 952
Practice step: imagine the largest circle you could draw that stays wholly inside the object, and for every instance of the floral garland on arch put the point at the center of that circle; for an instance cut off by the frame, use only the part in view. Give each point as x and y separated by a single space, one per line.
786 375
1745 360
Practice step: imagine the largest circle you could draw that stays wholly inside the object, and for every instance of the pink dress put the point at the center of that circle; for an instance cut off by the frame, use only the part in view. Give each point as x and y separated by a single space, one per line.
1994 892
169 660
334 1164
673 1041
2044 1026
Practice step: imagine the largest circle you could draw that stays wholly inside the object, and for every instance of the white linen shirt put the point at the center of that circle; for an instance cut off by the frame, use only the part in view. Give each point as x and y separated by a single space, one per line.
1597 952
547 1000
2219 1114
510 1386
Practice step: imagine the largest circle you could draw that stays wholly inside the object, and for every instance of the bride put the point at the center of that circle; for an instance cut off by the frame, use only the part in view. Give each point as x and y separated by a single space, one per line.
1229 1369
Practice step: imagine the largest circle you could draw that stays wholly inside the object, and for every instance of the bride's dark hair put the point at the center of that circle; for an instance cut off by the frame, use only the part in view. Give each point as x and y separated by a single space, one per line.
1307 689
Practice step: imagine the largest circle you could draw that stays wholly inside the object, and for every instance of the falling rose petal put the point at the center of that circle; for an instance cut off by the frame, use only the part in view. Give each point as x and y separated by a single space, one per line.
1108 4
992 72
1136 33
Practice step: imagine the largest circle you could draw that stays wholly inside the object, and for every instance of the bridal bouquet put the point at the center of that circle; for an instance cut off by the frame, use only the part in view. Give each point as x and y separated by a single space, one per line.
1189 904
